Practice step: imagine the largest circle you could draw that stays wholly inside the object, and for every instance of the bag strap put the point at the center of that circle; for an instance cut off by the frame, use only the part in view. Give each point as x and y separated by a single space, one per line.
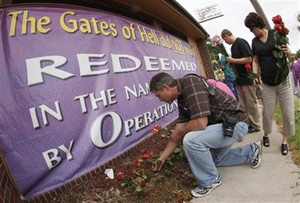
209 88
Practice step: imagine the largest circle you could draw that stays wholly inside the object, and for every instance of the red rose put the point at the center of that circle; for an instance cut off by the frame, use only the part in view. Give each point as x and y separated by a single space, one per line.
285 30
156 128
248 66
277 19
138 162
147 155
133 170
278 27
150 153
143 183
120 175
281 38
154 131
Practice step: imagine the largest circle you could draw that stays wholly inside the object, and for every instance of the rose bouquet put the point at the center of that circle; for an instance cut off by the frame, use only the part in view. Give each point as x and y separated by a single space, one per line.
163 131
217 42
280 37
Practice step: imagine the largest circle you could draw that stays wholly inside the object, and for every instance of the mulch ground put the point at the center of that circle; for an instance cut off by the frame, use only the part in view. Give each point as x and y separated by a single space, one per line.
134 180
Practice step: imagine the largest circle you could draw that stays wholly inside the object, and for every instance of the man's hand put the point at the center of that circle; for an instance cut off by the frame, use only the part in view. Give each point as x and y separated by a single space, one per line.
157 165
221 67
229 60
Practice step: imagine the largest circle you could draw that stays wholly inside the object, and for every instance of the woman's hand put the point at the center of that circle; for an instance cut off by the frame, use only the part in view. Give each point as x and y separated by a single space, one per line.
255 82
286 50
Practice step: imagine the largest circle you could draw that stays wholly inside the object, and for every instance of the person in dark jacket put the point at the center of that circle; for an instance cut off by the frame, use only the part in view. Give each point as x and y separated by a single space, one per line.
242 55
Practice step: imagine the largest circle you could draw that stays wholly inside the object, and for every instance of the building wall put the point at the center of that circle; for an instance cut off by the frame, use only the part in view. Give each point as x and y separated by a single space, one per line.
8 190
205 58
201 63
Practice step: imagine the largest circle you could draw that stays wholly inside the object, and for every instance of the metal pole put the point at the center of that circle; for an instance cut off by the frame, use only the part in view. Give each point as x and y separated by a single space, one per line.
260 12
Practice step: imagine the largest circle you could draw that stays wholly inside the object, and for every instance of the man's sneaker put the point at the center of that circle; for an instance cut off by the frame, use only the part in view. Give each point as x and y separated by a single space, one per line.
200 192
252 130
256 159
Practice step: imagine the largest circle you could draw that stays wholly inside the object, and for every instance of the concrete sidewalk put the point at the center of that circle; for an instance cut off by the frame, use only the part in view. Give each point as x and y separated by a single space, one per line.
276 180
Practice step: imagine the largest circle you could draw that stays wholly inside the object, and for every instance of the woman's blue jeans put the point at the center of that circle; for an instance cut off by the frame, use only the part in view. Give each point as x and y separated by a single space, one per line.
209 148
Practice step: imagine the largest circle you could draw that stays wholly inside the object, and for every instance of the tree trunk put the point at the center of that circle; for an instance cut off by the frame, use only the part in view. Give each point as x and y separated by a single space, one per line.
260 12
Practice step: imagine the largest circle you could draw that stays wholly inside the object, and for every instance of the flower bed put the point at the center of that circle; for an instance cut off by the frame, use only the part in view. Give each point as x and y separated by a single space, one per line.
134 180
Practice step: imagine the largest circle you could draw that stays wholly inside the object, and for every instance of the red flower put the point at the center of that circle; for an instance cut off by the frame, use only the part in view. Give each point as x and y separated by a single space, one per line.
156 128
138 162
147 155
278 27
281 38
277 19
120 175
133 170
248 66
285 30
150 153
143 183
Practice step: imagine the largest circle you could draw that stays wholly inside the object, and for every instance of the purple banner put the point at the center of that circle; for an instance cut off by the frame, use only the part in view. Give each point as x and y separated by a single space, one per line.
75 90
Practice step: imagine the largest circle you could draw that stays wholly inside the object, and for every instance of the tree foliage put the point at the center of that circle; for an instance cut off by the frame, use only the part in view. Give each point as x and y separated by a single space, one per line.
214 57
298 53
213 52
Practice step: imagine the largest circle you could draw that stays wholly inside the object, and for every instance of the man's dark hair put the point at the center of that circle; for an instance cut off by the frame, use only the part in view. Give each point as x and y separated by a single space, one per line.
254 20
159 79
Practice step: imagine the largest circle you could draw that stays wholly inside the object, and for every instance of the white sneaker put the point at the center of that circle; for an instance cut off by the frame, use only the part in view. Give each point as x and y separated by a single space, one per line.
200 192
256 159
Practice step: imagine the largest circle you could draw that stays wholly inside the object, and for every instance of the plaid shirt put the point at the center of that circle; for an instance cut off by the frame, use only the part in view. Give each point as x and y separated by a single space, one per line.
195 102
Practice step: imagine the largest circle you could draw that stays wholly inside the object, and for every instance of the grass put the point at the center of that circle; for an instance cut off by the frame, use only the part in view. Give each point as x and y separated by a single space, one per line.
294 141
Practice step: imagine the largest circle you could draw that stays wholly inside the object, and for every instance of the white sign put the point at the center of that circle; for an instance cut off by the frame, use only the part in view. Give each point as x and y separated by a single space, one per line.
208 13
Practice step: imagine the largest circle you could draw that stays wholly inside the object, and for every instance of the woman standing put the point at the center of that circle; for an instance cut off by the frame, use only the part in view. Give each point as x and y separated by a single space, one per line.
276 87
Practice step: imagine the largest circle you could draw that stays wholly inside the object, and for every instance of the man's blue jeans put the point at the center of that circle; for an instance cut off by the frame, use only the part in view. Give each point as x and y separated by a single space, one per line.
206 149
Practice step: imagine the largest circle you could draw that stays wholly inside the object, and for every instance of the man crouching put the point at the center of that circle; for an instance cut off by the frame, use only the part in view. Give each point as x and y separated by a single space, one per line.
210 122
